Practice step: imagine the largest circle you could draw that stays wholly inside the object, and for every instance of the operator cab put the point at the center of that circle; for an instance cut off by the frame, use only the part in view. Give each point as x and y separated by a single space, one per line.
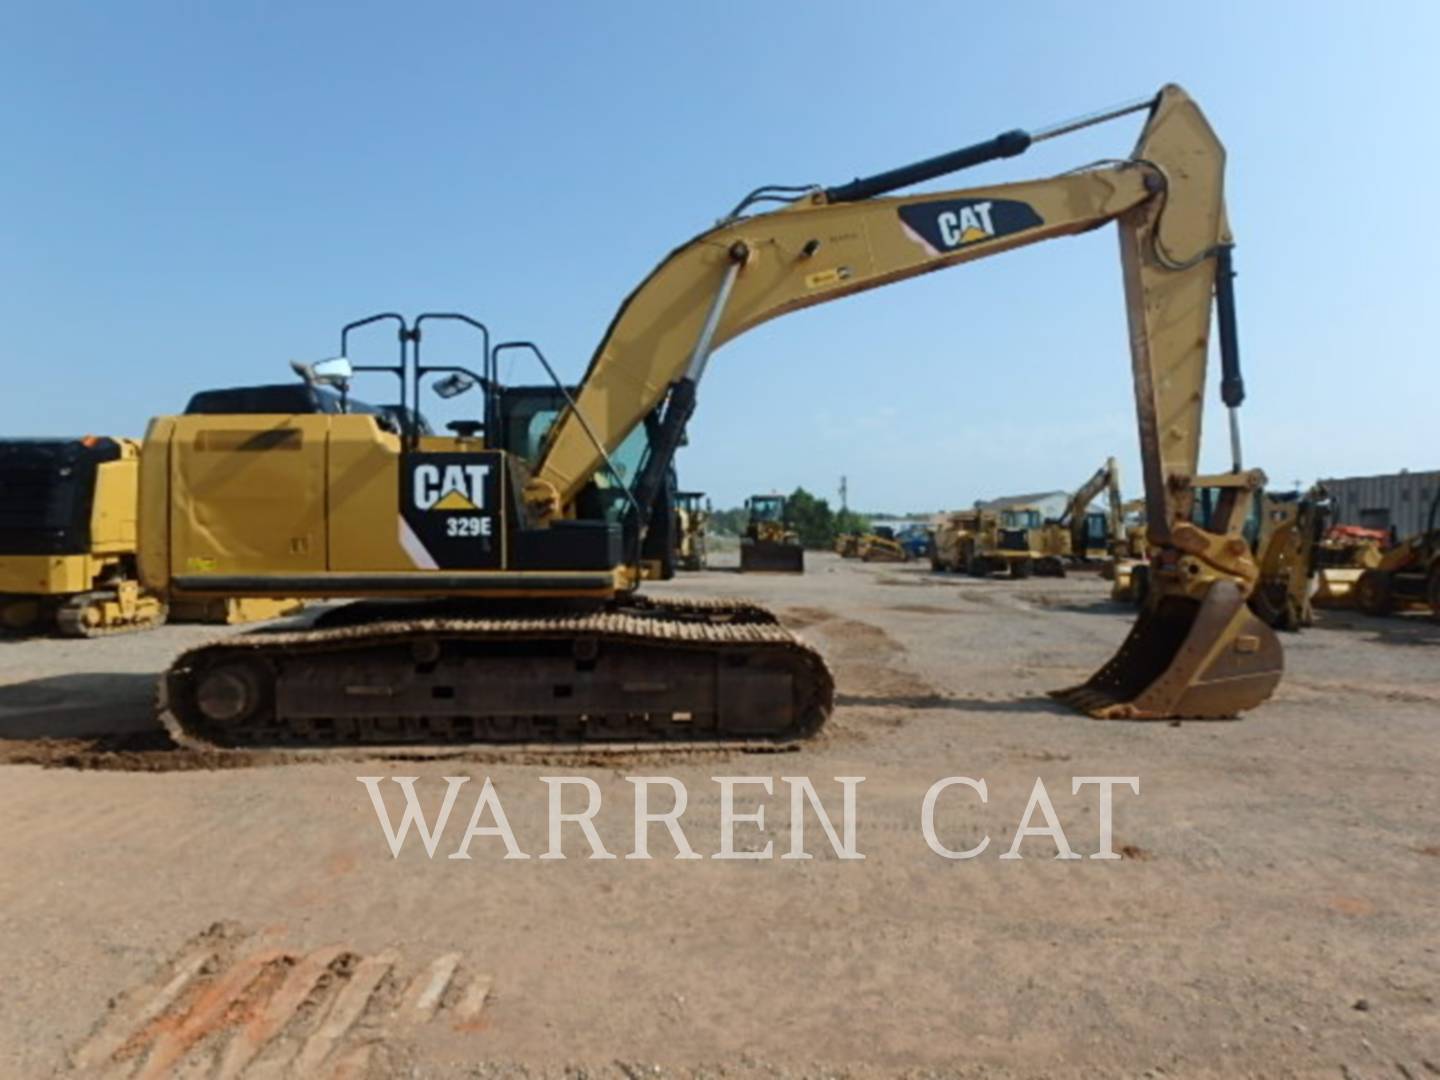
766 508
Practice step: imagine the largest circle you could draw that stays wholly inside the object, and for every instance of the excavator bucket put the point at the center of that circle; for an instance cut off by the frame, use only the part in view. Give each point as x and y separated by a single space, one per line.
772 557
1206 659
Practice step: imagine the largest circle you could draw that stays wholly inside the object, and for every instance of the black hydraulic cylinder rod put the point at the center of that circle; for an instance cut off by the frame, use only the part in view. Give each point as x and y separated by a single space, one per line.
1232 385
1009 144
678 409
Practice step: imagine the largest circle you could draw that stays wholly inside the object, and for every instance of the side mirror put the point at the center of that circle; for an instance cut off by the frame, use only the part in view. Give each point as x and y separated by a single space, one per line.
333 372
453 385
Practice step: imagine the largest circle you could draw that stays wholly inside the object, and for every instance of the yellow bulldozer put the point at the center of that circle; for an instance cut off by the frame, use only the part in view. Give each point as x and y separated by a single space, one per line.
497 585
881 545
67 538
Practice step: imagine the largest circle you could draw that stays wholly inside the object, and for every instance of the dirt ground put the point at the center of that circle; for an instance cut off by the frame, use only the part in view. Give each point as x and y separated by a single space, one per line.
1276 911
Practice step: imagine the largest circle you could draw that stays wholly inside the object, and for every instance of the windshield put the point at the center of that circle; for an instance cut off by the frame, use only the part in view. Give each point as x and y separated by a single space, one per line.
1020 519
767 507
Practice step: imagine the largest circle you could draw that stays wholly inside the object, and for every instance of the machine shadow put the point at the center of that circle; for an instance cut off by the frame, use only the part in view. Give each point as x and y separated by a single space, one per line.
944 703
1410 628
103 706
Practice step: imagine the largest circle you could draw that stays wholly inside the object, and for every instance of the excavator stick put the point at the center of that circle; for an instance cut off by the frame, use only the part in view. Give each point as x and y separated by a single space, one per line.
771 557
1207 660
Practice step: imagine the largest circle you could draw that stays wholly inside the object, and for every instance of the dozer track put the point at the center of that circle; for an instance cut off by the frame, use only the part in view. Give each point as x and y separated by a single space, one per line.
671 672
100 614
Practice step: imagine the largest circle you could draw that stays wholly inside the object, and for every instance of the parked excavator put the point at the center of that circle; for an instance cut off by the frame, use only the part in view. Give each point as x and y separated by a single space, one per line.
1092 534
769 545
502 599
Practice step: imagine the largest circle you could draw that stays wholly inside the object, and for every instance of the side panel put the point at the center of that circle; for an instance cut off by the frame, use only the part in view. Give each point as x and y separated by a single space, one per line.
47 575
116 507
364 465
247 494
154 537
394 511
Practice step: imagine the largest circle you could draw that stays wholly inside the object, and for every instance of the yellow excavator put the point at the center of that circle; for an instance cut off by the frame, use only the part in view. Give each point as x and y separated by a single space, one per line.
1093 534
499 576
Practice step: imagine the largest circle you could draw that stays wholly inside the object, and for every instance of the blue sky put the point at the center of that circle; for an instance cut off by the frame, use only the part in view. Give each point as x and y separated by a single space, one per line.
194 194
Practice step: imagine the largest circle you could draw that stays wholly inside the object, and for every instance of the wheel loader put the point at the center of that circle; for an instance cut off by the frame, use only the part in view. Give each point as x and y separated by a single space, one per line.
769 544
1408 575
694 516
498 600
847 545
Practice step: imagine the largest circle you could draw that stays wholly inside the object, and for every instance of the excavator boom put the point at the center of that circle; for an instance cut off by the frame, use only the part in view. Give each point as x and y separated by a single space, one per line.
1193 651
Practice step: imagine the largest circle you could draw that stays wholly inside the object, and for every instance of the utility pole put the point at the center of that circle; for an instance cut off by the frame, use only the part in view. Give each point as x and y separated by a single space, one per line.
843 506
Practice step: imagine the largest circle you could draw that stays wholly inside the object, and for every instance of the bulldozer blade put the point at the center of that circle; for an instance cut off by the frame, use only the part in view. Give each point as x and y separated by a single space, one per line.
1186 659
766 556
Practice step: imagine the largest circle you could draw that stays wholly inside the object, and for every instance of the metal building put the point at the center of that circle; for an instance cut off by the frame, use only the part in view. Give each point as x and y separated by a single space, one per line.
1401 500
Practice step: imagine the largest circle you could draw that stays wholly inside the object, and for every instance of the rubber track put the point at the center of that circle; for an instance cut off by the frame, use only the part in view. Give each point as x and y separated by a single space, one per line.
698 624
